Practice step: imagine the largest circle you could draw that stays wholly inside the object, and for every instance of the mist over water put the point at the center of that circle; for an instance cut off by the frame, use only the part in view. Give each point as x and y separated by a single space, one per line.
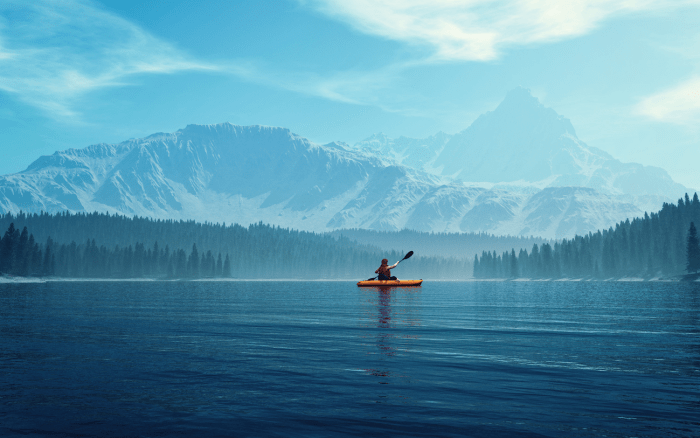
327 358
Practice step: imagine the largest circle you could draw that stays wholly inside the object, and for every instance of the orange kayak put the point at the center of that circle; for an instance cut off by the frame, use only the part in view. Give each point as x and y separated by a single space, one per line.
392 283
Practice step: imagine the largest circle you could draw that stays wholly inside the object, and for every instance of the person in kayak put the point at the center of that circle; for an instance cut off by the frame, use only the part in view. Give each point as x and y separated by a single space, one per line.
384 271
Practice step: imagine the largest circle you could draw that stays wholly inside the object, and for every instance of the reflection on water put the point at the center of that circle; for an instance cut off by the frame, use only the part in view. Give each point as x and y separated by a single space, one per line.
384 325
390 312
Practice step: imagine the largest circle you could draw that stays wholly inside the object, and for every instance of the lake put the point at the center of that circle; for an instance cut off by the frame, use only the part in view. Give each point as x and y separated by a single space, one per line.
255 358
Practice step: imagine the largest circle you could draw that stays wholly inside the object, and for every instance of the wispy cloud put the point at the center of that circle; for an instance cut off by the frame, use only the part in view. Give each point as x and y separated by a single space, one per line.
352 86
680 104
476 30
54 52
362 87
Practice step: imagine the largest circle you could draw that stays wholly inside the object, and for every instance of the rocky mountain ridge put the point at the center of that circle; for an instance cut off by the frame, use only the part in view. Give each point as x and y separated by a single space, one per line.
229 173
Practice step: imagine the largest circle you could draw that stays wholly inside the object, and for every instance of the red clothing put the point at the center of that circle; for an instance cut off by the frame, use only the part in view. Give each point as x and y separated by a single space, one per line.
386 270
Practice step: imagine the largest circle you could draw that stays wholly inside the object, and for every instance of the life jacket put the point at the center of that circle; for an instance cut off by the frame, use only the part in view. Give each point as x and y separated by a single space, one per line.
384 269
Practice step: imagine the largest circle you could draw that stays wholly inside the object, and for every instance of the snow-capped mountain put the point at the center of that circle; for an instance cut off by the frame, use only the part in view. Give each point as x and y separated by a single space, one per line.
523 141
411 152
246 174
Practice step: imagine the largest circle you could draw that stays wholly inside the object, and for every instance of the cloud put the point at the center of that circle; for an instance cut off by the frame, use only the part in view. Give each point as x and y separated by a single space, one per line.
54 52
476 30
351 86
680 104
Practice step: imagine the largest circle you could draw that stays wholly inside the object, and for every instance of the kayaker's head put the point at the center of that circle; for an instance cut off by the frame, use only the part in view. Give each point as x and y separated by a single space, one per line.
385 261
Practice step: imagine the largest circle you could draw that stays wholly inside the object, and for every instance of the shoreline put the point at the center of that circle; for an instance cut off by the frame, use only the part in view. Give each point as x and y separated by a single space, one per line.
34 280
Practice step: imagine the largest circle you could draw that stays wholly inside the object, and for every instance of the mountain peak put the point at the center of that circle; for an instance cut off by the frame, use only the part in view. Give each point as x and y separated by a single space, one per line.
521 100
522 95
520 107
341 145
520 140
379 136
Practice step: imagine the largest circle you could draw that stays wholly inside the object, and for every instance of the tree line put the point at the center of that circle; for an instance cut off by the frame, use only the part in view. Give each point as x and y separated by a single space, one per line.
459 245
114 246
21 255
659 244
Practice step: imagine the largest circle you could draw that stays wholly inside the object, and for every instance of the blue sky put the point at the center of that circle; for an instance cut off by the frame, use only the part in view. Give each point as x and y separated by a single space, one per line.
75 73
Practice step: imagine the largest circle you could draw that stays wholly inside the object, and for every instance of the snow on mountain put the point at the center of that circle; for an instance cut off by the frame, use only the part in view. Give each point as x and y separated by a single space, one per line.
410 152
567 211
523 141
246 174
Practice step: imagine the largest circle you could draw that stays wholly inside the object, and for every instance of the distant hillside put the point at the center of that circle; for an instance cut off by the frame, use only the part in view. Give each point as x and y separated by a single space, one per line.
459 245
256 251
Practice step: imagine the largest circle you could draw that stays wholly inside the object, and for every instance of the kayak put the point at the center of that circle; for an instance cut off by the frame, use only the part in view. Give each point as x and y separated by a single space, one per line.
392 283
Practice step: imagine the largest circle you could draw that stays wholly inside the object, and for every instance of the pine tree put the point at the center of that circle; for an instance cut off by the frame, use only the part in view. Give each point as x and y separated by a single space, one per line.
522 262
21 261
171 272
35 258
227 267
693 250
155 260
166 261
513 264
8 249
650 267
46 264
193 264
181 264
534 262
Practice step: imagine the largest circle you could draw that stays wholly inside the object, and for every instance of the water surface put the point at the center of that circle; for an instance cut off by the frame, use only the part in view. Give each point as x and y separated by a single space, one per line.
327 358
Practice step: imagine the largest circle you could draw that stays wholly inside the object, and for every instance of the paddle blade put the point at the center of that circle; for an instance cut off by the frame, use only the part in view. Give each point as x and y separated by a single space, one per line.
407 256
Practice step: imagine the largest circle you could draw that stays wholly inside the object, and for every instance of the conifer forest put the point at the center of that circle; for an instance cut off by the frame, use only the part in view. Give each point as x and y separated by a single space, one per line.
662 244
439 244
100 245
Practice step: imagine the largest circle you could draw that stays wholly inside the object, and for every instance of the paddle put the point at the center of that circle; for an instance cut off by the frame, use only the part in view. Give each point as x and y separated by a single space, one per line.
407 256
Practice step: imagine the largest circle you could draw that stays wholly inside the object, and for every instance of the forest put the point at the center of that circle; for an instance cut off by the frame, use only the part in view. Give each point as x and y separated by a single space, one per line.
662 244
103 245
460 245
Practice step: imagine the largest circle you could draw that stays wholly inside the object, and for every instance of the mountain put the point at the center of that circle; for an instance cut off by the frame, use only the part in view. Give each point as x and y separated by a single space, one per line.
234 169
519 140
410 152
523 141
246 174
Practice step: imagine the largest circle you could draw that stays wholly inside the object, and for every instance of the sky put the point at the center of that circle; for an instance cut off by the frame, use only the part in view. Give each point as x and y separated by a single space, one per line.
76 72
